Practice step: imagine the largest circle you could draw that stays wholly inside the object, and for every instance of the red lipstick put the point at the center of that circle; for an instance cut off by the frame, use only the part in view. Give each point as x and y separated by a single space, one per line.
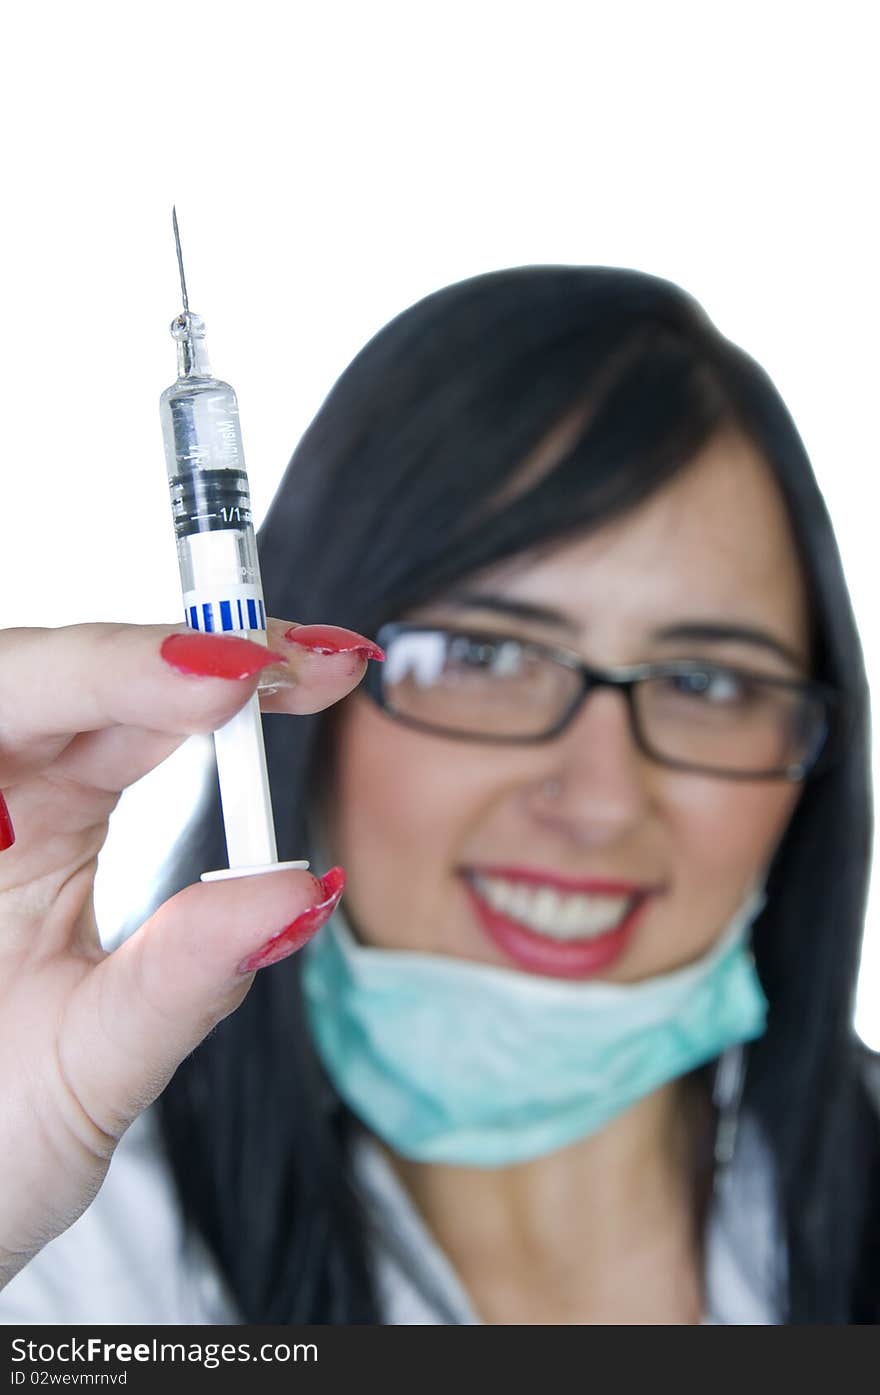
598 886
540 954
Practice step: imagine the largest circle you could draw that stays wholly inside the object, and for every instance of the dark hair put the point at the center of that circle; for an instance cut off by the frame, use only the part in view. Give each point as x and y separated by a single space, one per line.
392 494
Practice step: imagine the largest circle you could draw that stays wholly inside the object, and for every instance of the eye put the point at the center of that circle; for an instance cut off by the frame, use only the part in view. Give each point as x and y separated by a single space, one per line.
715 686
501 658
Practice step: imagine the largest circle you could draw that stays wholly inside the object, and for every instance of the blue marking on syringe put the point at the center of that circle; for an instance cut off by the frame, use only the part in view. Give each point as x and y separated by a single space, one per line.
211 615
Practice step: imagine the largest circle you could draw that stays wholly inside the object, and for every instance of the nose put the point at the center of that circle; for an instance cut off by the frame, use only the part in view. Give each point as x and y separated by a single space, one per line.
603 782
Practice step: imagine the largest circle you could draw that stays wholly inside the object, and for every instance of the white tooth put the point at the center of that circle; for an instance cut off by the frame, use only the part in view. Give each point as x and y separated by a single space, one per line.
573 914
583 927
600 915
497 893
545 909
507 900
521 902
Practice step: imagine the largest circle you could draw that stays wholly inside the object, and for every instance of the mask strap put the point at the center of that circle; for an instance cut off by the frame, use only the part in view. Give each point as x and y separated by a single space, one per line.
727 1092
730 1073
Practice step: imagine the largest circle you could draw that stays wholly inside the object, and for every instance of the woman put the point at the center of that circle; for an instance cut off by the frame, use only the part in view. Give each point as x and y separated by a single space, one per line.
620 733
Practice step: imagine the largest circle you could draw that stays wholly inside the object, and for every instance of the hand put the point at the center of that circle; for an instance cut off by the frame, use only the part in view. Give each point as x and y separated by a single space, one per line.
89 1039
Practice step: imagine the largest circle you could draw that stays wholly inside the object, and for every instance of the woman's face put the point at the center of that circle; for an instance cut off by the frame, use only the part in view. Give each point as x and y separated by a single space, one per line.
416 816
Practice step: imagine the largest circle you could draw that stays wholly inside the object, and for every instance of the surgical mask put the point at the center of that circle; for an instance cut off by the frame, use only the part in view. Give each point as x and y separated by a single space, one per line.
451 1061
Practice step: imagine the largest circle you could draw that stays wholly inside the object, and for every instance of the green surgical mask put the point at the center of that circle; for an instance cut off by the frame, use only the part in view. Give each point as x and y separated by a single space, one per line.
452 1061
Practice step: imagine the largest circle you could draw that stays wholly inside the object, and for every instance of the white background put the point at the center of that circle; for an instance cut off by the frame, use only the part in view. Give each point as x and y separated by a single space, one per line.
332 163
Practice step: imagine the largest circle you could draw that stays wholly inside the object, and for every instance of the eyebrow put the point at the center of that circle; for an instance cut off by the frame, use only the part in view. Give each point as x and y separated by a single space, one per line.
703 631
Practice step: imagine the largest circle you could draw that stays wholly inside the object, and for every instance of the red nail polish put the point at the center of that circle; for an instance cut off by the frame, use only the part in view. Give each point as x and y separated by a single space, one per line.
333 639
295 935
217 656
7 832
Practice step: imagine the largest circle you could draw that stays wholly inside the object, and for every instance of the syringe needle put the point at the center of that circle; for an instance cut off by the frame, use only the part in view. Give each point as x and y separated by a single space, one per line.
179 259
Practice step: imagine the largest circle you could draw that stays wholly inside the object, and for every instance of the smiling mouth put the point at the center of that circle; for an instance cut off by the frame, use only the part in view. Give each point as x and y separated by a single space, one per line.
549 930
563 916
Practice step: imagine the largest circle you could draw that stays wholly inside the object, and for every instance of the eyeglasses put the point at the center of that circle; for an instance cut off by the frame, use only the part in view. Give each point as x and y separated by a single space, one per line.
713 718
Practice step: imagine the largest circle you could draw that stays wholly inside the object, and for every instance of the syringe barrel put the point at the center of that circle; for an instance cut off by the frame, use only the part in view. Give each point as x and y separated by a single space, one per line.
222 590
210 502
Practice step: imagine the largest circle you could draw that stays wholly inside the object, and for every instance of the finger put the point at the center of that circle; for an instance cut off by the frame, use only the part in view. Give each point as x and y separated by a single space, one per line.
116 757
324 664
113 759
58 683
150 1002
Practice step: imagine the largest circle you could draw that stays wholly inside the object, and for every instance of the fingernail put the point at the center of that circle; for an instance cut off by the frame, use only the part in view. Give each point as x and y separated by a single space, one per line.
274 681
217 656
332 639
295 935
7 832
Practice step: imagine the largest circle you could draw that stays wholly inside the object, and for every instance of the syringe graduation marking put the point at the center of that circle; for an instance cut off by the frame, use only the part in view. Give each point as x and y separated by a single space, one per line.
210 499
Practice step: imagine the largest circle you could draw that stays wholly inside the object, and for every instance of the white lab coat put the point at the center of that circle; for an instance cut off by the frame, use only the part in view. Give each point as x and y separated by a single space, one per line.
128 1258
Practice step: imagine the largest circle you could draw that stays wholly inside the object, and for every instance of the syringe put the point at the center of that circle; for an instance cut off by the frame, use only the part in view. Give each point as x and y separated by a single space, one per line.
219 573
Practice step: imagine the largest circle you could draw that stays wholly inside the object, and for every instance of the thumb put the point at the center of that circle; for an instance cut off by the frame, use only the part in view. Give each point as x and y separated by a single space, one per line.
150 1002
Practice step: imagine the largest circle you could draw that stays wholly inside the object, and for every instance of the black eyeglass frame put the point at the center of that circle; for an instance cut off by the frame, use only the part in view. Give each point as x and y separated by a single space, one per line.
624 680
